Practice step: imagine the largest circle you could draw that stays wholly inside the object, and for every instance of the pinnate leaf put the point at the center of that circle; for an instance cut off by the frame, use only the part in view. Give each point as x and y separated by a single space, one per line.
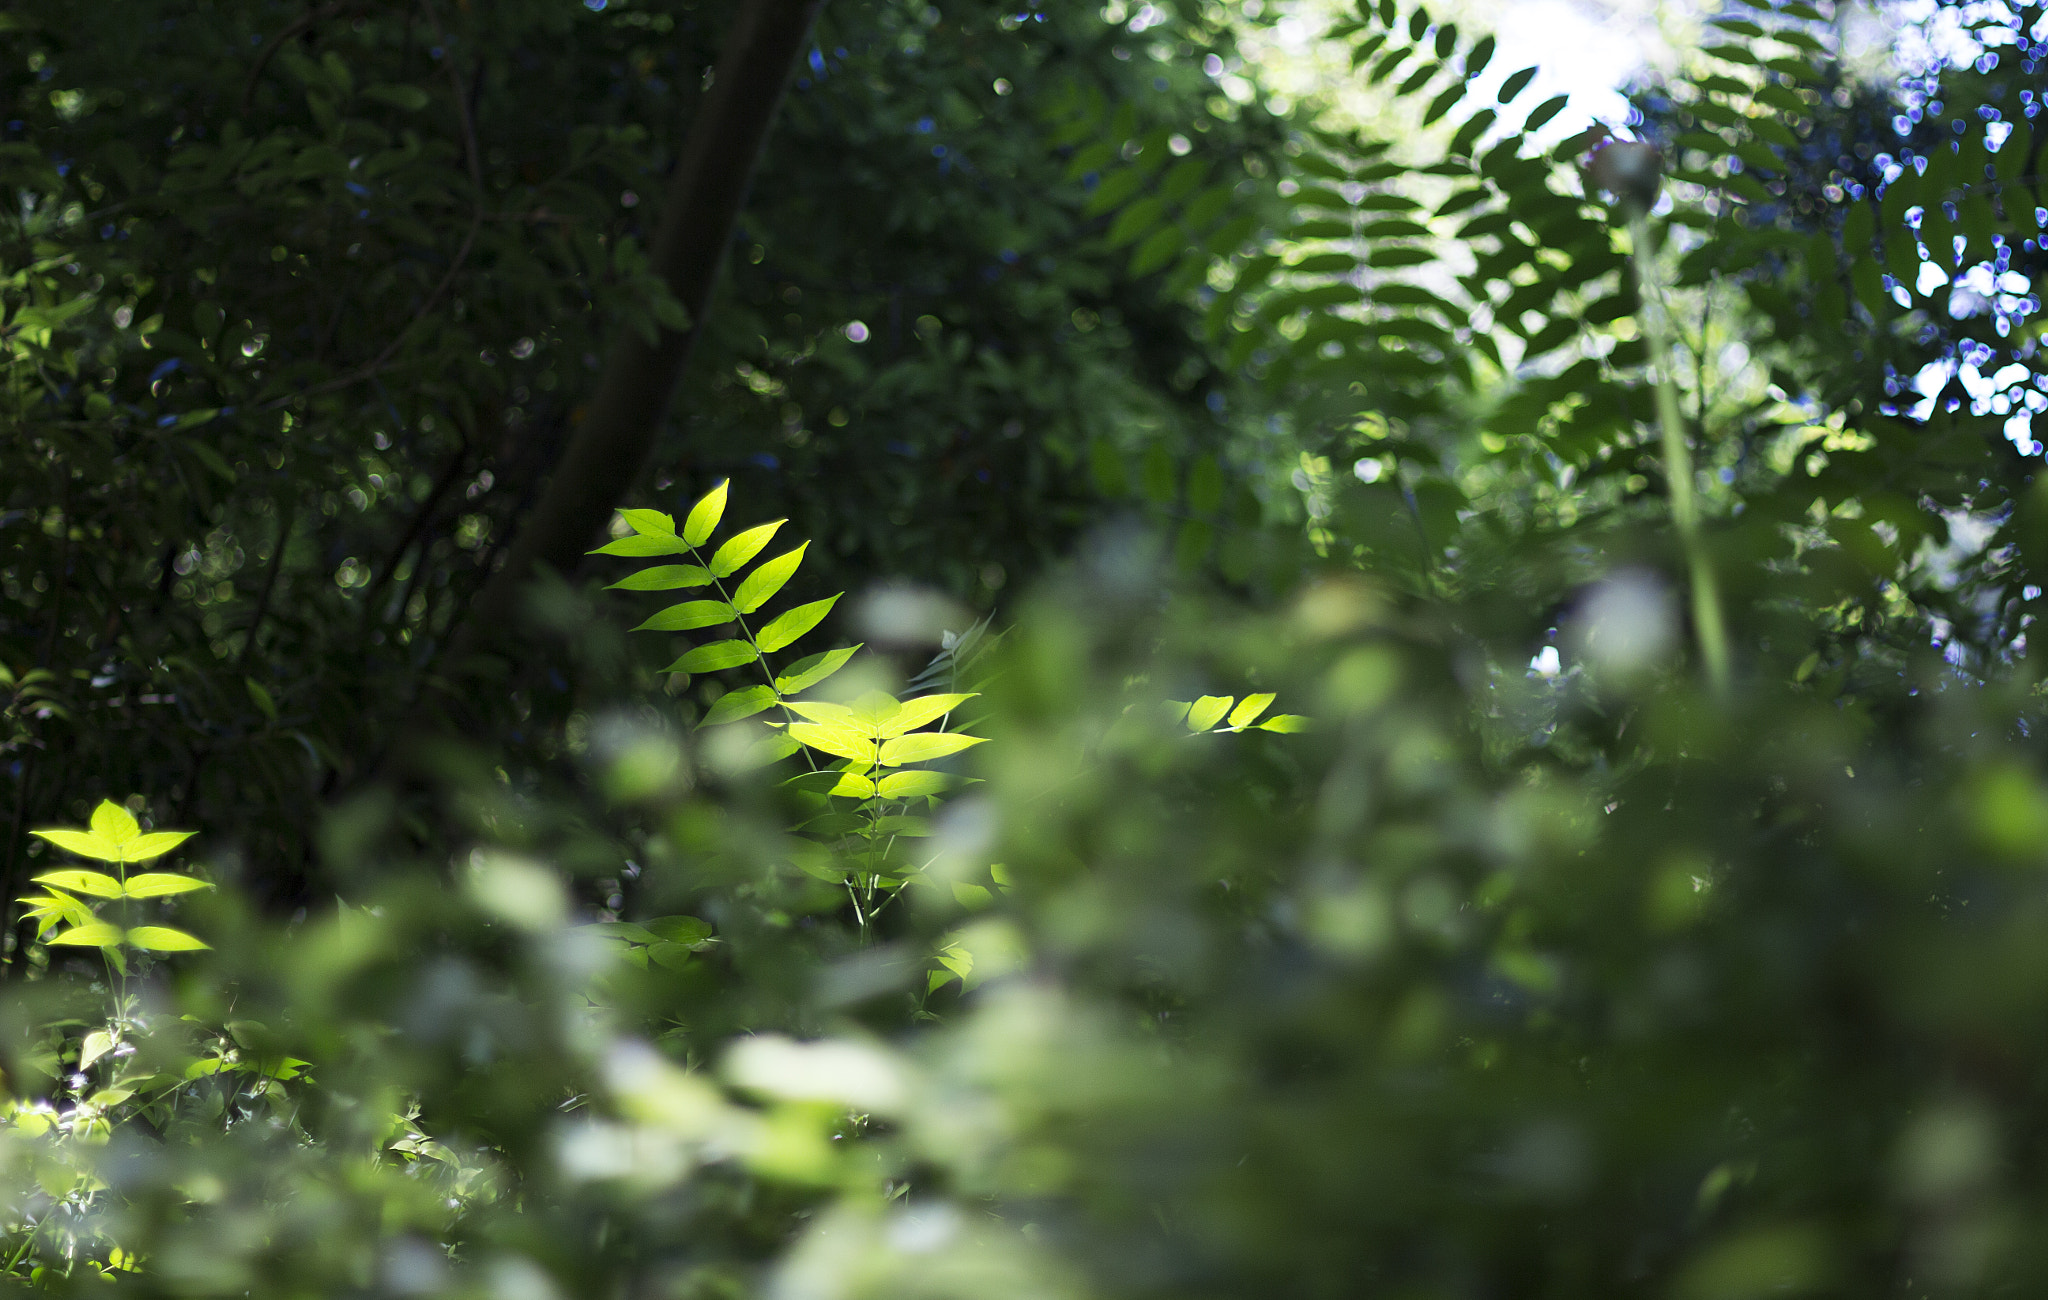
835 739
908 785
808 672
922 711
742 703
157 884
688 615
765 581
664 577
793 623
98 884
923 746
714 657
153 845
98 934
742 547
651 522
1249 709
84 843
704 516
1208 711
113 823
644 544
162 938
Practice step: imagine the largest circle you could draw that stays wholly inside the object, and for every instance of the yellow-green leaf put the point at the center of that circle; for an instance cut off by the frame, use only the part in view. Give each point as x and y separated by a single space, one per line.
793 623
765 581
98 934
98 884
113 823
687 616
1249 709
924 746
153 845
664 577
850 786
742 547
841 741
704 516
1208 711
921 711
643 544
157 884
908 785
84 843
837 715
1284 722
714 657
97 1044
742 703
650 522
162 938
809 671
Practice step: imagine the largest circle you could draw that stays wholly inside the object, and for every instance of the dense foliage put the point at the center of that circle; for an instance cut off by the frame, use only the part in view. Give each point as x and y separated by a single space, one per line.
1526 785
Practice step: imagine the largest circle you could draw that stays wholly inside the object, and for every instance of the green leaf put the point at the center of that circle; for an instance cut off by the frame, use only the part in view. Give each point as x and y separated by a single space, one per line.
1249 709
650 522
791 624
715 657
742 703
261 697
664 577
643 544
113 823
704 516
690 614
1208 711
97 1044
162 938
923 747
84 843
157 884
916 713
835 739
1285 723
1515 85
99 934
153 845
1480 55
741 547
98 884
1544 111
837 715
909 785
410 99
808 672
849 786
766 580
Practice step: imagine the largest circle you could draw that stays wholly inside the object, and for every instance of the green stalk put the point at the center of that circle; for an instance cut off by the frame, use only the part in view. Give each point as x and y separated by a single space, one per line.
1707 621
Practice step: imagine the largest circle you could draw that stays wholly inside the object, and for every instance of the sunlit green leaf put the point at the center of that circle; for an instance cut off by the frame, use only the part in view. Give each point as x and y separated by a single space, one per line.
742 547
758 586
1249 709
1284 722
643 544
704 516
156 884
912 714
688 615
651 522
162 938
742 703
793 623
98 934
924 746
82 882
809 671
664 577
715 657
909 785
1208 711
835 739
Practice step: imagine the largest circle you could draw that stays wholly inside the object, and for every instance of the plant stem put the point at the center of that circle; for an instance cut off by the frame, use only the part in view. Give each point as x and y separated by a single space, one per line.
1708 623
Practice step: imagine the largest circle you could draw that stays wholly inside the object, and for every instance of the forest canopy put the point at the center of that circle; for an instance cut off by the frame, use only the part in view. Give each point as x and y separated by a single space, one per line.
701 648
